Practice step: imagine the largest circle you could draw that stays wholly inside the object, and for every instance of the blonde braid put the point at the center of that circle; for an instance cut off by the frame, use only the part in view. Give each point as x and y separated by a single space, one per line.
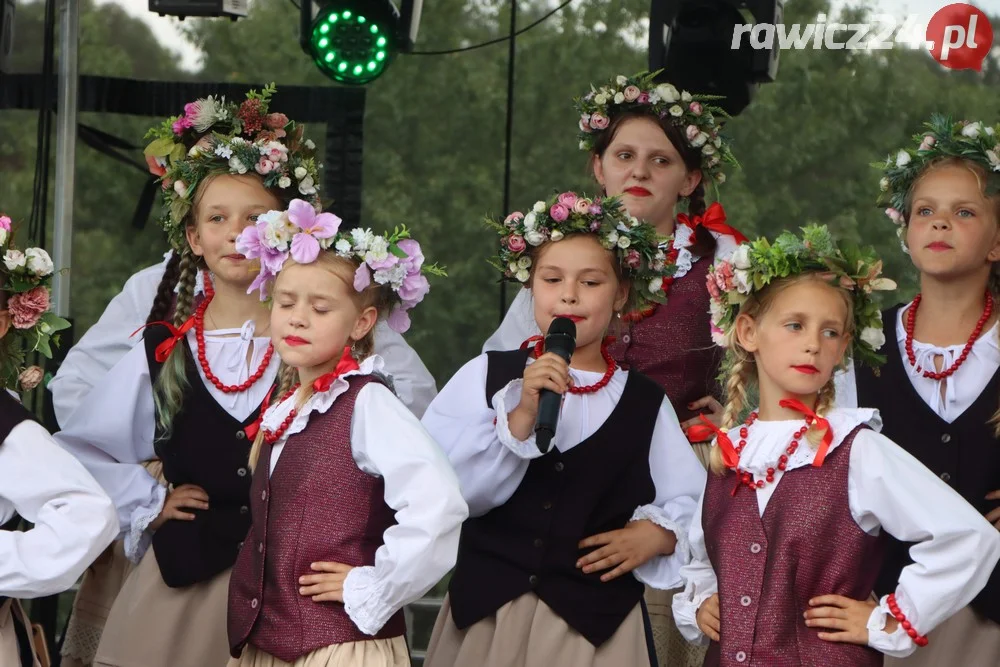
824 403
740 376
168 392
288 376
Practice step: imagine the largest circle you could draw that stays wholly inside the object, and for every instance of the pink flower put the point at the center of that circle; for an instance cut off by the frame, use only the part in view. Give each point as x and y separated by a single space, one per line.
599 121
264 166
4 223
895 216
191 109
398 320
314 226
713 287
696 108
633 259
558 212
585 122
514 218
691 131
276 121
595 209
568 199
414 288
595 225
515 243
157 165
181 124
26 308
30 378
362 278
643 98
927 142
414 255
724 277
582 206
180 187
631 93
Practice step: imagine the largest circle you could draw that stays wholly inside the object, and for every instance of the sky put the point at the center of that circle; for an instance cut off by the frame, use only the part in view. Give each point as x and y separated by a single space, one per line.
166 28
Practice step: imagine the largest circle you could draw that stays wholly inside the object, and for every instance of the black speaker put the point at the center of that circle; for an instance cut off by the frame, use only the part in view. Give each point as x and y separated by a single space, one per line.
692 41
6 33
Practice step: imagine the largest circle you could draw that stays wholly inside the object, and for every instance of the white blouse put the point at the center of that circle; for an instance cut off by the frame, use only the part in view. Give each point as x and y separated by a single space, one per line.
889 490
74 520
491 462
387 441
950 396
519 323
112 431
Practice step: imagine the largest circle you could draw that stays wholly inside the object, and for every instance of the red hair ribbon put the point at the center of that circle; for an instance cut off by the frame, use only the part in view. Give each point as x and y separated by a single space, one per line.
252 429
164 349
812 419
729 455
714 220
346 363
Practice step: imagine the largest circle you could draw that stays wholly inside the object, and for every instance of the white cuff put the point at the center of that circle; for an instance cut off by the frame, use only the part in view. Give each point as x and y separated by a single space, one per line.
897 644
138 538
685 610
661 519
662 571
363 600
525 449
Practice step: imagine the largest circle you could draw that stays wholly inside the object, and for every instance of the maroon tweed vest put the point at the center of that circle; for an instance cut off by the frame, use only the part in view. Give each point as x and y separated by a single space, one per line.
806 544
317 506
674 345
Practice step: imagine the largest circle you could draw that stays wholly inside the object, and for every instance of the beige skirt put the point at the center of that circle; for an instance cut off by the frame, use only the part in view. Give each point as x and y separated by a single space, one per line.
967 639
527 633
153 625
10 654
369 653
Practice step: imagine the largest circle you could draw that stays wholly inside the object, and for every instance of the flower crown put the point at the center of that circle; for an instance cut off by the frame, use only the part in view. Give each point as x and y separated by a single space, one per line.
635 243
227 138
300 233
26 280
754 265
943 138
698 120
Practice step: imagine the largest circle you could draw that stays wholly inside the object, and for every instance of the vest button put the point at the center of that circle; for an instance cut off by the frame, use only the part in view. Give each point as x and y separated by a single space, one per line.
539 542
547 505
626 339
946 438
242 472
253 603
241 435
244 509
559 466
533 580
263 495
240 546
945 477
755 548
260 550
741 656
745 600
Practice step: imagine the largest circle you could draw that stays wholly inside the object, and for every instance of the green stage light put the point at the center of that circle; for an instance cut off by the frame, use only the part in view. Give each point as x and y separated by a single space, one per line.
352 41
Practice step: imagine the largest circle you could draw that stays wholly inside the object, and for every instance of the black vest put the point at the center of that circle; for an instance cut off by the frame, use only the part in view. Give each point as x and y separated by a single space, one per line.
964 453
530 542
209 448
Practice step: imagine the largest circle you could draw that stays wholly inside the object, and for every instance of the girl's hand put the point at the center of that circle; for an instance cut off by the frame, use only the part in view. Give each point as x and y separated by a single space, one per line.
848 617
994 515
328 586
714 415
186 496
626 549
709 619
549 371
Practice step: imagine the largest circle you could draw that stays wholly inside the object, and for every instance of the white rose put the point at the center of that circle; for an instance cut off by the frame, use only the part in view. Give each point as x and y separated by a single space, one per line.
529 221
621 80
307 186
235 164
378 249
720 178
534 237
343 247
716 309
513 267
523 262
284 182
556 235
685 96
361 238
3 236
522 275
993 156
972 130
195 151
624 242
654 97
741 257
741 279
989 130
300 173
310 144
667 93
539 207
883 184
600 99
708 149
699 140
874 337
655 285
39 262
582 145
677 111
619 98
611 239
14 259
902 158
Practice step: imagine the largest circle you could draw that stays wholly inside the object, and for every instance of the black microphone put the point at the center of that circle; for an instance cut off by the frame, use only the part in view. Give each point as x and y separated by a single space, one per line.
561 339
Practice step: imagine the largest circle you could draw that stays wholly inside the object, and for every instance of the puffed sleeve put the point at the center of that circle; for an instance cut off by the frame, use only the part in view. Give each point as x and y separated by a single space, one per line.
518 325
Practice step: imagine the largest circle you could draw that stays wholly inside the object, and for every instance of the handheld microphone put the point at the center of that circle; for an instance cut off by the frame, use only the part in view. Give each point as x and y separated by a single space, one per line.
560 339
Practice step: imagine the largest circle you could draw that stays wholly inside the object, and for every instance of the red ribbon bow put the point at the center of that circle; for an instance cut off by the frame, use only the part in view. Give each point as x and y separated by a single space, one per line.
729 456
253 428
714 220
346 363
812 419
164 349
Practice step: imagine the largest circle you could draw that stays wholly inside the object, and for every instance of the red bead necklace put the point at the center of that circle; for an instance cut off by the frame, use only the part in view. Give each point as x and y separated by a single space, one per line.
199 334
911 318
271 437
746 478
591 388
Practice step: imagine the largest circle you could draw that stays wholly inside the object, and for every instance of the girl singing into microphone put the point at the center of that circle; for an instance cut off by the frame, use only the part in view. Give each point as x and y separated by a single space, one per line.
539 578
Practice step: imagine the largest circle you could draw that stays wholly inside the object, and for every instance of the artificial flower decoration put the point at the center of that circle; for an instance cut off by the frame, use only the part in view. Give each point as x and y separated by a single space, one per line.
755 264
694 115
228 138
300 233
636 245
26 281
